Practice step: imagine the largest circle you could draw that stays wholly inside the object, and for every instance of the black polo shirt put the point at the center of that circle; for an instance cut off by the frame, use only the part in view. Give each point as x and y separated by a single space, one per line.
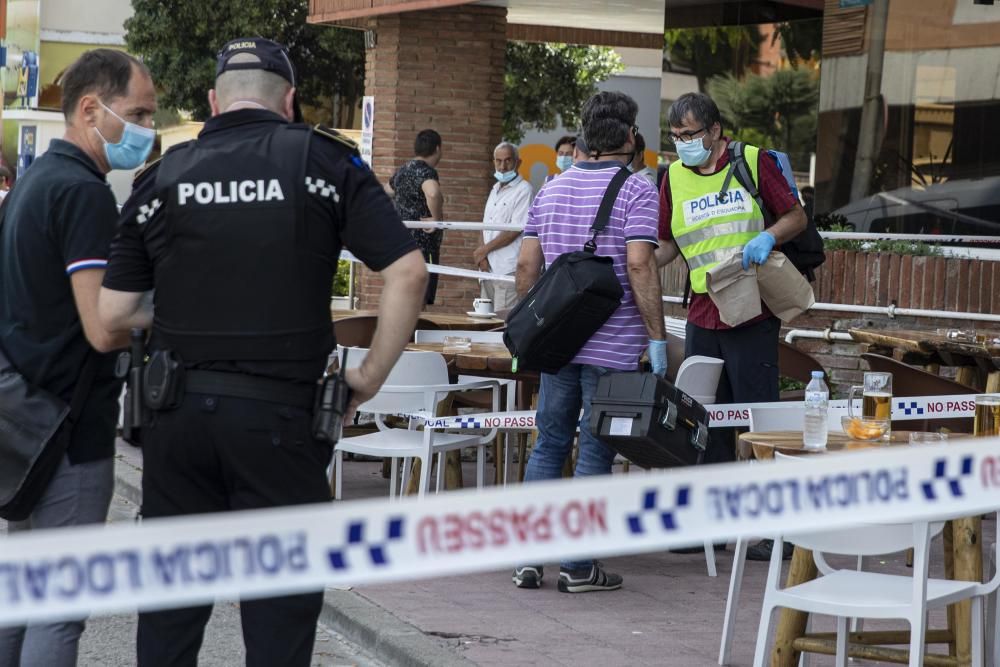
361 218
59 219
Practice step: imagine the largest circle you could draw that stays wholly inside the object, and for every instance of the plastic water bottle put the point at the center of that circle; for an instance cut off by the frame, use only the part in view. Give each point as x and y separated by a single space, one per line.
817 401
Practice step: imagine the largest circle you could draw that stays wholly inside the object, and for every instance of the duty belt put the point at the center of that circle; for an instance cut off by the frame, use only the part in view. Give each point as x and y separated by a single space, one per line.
239 385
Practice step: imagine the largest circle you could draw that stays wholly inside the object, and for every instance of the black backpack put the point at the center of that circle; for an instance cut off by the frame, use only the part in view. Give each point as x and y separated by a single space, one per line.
572 300
805 250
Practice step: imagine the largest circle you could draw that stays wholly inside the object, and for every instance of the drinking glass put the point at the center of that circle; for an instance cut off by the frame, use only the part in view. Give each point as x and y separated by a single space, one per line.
876 396
987 421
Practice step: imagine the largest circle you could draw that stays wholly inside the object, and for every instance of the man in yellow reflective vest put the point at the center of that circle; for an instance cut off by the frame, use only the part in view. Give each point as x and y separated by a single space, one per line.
706 228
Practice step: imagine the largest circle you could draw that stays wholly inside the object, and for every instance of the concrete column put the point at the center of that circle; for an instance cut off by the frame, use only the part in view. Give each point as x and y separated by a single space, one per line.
440 69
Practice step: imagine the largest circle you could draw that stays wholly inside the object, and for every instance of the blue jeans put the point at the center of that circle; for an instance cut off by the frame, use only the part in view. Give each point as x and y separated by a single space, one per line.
559 401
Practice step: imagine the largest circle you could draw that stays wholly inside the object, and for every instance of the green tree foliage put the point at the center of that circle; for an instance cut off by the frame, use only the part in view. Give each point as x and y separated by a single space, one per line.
546 83
777 111
179 39
709 52
801 40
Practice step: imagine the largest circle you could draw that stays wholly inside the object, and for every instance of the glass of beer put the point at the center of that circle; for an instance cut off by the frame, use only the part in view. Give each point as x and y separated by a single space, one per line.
876 397
987 421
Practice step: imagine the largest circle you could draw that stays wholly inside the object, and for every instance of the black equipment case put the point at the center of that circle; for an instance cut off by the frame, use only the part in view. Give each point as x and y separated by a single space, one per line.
649 421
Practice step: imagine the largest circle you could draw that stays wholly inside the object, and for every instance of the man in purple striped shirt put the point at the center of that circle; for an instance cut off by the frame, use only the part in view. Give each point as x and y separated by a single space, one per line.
559 222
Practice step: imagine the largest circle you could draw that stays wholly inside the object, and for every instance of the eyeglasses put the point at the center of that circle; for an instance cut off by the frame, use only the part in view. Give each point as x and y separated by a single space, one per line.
686 137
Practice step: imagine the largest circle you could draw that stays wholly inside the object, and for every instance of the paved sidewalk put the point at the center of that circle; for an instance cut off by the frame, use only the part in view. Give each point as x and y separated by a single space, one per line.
669 611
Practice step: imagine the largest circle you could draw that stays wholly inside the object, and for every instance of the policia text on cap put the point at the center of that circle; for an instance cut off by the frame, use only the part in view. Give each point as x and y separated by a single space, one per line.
238 232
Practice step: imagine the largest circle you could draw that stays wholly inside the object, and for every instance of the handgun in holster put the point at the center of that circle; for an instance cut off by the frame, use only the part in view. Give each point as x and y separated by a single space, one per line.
130 365
333 395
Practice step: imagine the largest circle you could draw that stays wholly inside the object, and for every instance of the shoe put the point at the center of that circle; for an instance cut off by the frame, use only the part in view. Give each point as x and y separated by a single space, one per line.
762 550
718 546
589 579
529 576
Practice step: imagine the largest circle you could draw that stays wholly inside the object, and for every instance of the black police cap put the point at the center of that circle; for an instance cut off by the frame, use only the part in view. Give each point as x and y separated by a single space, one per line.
269 56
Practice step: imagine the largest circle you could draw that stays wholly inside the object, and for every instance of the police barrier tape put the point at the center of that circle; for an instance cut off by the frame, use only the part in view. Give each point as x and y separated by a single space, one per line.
65 573
725 415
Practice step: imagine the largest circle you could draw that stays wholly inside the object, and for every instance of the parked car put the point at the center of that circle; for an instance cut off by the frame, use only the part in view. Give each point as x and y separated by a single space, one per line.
957 207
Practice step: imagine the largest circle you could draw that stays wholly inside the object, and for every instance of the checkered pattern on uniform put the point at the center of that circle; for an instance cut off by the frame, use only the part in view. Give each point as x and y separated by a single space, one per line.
322 188
146 211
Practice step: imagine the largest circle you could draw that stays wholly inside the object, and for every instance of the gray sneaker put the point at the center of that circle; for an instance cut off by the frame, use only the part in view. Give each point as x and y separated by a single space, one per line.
528 576
589 579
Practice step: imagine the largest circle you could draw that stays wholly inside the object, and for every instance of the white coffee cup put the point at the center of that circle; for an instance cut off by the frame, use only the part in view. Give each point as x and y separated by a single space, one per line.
483 306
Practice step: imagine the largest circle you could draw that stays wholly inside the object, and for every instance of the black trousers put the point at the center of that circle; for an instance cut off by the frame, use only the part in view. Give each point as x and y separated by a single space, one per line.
215 454
749 373
434 257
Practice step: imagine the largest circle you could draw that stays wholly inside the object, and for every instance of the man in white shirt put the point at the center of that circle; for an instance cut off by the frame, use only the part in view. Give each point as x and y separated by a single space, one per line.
507 205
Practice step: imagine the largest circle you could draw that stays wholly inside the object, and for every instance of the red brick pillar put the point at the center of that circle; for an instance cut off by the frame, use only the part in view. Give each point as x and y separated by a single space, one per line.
440 69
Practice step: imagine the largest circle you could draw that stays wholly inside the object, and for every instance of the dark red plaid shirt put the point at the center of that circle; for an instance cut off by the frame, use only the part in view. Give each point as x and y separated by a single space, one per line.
777 197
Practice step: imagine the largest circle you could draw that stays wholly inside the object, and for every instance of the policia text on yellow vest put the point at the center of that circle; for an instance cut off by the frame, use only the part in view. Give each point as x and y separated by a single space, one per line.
710 226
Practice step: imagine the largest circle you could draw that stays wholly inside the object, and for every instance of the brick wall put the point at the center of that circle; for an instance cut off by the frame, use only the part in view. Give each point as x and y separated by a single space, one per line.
441 69
877 279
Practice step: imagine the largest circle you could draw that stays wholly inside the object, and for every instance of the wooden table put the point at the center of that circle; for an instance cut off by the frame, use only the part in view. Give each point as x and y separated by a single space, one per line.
486 359
447 321
932 349
963 561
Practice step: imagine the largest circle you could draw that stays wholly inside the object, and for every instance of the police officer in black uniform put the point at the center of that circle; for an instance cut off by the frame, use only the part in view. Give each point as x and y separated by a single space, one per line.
238 234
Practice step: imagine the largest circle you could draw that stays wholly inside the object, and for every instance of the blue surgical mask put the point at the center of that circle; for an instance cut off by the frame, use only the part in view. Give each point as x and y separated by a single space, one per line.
504 176
693 153
132 149
564 162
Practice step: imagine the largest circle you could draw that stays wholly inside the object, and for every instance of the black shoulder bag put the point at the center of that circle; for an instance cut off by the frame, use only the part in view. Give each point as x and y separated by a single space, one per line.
35 428
572 300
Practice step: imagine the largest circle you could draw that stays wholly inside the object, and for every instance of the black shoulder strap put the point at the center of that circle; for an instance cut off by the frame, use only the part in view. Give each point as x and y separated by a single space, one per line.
739 168
607 204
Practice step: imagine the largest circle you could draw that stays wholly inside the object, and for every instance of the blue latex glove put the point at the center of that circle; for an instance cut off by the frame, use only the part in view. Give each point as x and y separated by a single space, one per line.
758 249
658 356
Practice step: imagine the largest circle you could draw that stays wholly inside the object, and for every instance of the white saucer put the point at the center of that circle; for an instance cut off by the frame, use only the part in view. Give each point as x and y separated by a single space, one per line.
485 316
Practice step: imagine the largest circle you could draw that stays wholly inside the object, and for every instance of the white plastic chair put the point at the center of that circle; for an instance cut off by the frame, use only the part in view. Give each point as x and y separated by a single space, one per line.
777 418
438 336
698 377
416 384
851 594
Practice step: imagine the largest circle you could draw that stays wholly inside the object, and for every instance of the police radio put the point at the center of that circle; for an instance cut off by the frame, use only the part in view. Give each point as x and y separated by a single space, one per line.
333 395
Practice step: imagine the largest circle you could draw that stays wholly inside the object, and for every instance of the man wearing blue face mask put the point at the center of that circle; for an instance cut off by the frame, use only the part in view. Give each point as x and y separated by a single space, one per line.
508 204
55 232
705 228
566 150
